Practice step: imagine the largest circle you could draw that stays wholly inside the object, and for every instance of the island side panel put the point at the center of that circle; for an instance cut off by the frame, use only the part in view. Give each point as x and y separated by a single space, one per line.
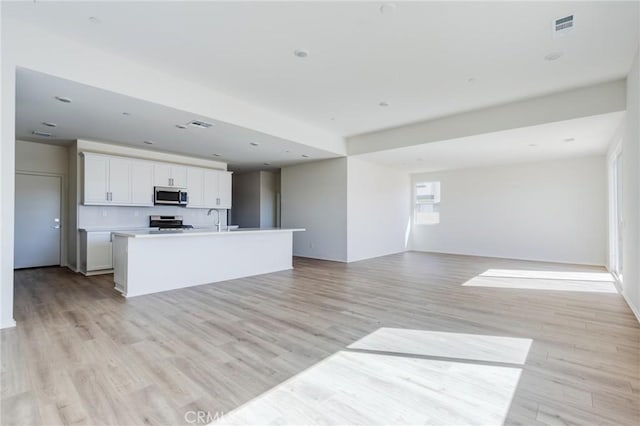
120 262
161 264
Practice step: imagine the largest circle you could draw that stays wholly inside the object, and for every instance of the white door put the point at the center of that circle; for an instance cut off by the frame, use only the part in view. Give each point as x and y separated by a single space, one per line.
37 221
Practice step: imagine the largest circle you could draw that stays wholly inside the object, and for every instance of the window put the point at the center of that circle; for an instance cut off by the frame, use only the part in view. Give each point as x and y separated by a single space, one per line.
427 203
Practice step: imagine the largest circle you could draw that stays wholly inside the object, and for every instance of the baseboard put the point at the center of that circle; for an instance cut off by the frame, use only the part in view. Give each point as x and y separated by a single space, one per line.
635 311
8 325
377 256
561 262
319 258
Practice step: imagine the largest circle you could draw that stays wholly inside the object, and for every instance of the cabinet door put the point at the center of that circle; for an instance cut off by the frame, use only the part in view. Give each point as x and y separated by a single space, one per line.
211 189
224 190
96 179
161 174
141 183
179 176
120 180
195 187
99 255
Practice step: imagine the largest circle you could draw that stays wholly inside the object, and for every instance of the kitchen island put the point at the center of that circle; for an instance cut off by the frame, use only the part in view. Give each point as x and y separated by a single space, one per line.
148 261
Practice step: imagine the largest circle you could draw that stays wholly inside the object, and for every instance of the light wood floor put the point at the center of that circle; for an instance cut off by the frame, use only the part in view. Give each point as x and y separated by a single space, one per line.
82 354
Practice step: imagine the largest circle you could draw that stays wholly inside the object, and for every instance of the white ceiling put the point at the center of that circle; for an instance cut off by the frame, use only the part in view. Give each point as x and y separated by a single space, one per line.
418 59
96 114
591 136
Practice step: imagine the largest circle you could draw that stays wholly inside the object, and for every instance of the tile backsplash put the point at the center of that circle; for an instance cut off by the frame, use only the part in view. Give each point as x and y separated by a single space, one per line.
106 216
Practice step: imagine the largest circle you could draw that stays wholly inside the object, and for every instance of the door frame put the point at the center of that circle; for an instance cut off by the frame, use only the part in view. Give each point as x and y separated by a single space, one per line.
63 209
614 229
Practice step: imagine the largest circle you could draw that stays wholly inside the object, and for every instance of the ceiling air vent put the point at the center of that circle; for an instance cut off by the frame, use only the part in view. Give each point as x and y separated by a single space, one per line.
563 25
43 134
199 124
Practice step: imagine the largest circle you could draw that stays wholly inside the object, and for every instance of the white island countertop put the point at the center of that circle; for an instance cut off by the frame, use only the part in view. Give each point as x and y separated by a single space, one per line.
197 232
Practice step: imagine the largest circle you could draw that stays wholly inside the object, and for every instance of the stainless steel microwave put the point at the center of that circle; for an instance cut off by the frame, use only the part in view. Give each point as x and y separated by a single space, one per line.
166 195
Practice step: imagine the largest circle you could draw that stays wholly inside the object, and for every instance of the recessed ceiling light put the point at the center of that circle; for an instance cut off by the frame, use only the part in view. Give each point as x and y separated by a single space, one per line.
181 126
533 144
148 142
287 150
471 80
94 20
384 104
217 155
553 56
49 124
42 134
254 143
569 139
63 99
267 164
126 113
305 155
301 53
388 8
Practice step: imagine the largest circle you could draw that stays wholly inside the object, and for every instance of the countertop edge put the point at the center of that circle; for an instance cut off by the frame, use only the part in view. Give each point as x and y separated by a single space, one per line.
203 234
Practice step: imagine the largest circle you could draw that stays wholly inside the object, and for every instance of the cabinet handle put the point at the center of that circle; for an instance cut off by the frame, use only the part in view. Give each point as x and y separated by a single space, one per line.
106 196
218 201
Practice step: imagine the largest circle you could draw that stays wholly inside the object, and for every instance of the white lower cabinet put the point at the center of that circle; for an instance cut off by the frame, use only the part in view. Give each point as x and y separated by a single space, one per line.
95 251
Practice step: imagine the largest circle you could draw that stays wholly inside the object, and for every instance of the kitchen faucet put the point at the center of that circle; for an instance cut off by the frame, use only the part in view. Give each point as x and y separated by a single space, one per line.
218 225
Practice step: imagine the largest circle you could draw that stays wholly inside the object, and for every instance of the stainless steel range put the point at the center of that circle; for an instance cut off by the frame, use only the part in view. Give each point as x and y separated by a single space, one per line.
168 223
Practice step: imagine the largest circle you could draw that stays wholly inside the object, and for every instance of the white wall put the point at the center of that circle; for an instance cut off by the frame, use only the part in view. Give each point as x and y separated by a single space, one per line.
552 211
314 196
631 192
41 158
379 211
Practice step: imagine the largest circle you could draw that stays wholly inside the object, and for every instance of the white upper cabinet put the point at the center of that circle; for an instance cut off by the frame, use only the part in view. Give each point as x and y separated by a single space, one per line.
96 179
122 181
107 180
119 180
141 183
179 176
217 189
224 190
170 175
195 187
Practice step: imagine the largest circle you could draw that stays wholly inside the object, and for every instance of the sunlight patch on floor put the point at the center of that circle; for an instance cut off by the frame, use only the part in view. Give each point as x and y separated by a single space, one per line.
579 281
359 387
449 345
